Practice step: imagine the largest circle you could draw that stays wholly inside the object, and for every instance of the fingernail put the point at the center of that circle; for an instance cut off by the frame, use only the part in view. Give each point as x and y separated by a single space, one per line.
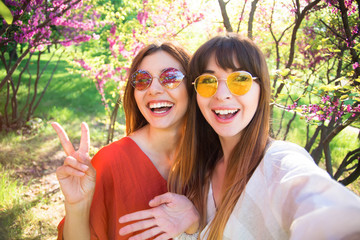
84 167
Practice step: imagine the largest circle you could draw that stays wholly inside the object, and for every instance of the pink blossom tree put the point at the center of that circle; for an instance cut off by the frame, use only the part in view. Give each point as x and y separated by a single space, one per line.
36 25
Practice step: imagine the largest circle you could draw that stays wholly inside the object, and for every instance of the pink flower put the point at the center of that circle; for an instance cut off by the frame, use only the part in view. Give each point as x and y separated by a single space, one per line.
142 17
355 65
113 30
348 108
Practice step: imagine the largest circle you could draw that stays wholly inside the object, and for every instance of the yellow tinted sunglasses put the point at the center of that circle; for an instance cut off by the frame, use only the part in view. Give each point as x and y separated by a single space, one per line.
238 83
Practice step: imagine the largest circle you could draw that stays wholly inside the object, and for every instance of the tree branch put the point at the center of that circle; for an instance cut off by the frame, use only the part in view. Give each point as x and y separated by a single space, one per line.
332 30
225 16
300 17
241 17
47 84
350 156
251 18
349 37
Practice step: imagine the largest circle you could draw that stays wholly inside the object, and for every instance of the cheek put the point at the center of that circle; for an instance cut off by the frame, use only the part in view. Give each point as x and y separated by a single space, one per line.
198 101
255 93
202 103
255 98
138 97
181 95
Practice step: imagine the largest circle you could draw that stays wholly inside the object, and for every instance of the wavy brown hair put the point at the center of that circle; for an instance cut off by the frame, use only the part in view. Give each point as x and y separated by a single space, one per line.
201 149
134 119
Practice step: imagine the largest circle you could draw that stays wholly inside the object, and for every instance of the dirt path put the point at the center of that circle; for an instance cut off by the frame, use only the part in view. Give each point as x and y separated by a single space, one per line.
45 199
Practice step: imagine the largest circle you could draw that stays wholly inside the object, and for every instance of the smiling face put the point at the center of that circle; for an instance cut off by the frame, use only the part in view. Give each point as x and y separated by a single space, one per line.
161 107
228 114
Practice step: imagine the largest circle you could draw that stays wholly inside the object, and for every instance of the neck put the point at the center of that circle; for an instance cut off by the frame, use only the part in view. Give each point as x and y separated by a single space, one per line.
218 175
160 145
227 145
163 141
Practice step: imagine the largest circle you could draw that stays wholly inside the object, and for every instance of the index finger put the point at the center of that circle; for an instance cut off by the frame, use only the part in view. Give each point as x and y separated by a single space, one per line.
64 139
140 215
85 138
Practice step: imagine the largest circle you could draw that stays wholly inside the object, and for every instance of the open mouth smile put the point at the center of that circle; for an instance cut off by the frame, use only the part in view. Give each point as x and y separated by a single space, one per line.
225 114
160 107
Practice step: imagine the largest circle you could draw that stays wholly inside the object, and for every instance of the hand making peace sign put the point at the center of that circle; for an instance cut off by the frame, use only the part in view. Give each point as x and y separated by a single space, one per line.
76 176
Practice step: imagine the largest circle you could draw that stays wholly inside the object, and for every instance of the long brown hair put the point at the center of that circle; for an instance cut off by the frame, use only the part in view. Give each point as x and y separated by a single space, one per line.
134 119
201 148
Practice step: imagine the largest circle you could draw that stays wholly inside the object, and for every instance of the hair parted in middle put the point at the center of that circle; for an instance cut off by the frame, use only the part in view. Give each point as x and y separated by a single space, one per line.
134 119
201 148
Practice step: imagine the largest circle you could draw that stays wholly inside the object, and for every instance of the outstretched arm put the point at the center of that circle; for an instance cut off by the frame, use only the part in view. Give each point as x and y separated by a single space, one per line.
77 181
171 214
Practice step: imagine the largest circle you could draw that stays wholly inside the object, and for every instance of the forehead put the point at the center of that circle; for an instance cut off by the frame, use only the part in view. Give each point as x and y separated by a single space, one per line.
158 61
223 62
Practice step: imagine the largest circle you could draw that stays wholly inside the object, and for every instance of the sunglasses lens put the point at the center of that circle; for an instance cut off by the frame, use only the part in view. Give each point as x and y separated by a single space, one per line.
141 80
171 78
206 85
239 83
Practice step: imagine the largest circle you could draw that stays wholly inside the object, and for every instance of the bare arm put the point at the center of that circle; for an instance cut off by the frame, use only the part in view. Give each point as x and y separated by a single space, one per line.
77 181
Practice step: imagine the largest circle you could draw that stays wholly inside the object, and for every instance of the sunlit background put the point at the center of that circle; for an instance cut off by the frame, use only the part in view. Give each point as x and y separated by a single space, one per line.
69 64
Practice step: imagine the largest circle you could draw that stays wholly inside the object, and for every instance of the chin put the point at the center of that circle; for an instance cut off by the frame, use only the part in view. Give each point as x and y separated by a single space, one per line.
227 133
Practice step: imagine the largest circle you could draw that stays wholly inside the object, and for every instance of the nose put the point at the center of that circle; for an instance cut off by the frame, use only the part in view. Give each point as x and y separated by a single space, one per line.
223 91
155 87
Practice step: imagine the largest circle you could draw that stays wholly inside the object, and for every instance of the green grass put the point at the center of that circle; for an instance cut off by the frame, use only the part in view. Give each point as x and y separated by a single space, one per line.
10 190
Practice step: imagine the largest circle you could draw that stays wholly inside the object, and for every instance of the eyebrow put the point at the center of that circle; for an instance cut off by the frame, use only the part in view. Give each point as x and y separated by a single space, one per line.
208 71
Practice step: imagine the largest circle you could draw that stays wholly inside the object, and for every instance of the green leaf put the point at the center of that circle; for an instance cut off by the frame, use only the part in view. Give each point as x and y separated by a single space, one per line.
349 102
343 97
284 72
355 94
5 13
324 39
298 109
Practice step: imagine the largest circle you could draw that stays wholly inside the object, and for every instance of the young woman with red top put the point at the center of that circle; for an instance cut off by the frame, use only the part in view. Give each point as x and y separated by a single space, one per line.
125 175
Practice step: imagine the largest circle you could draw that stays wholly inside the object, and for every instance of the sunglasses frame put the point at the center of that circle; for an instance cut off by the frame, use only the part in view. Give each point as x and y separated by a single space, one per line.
152 78
217 82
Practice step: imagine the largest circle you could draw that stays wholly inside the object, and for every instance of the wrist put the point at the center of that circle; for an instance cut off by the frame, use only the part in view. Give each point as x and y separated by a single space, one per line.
77 217
82 206
195 219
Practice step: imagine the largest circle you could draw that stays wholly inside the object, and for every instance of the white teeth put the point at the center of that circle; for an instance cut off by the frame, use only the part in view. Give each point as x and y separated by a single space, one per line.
160 111
160 105
225 111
